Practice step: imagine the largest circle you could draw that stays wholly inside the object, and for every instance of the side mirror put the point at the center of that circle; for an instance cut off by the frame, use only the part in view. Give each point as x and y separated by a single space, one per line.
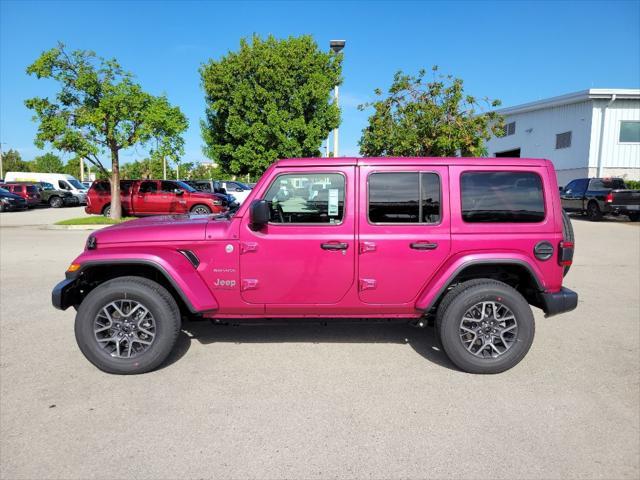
561 189
178 191
259 214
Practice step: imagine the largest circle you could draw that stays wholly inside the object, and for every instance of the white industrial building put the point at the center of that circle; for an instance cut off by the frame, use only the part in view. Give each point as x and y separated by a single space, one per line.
592 133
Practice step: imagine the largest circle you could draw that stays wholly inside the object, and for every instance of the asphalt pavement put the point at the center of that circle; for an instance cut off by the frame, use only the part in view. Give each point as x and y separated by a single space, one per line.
313 401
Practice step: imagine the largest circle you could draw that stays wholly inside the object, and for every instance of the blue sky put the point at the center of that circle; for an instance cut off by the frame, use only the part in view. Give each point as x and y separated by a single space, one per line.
514 51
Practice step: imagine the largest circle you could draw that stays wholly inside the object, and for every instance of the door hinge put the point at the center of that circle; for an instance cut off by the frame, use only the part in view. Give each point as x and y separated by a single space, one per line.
247 247
367 247
367 284
249 284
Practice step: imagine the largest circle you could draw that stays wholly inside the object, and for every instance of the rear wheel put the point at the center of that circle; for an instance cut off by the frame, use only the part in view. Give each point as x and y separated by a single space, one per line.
127 325
106 211
634 216
201 210
485 326
593 211
55 202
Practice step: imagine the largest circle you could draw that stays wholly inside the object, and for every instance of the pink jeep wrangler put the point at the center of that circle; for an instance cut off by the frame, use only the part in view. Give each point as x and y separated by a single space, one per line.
469 243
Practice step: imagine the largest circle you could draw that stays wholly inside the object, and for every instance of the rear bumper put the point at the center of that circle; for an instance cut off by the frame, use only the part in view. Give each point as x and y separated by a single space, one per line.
563 301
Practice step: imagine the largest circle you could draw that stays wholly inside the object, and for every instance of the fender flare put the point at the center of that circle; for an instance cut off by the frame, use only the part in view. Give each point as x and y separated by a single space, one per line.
188 283
427 299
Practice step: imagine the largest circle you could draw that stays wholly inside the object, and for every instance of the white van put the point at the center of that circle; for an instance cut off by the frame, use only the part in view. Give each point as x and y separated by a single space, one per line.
58 180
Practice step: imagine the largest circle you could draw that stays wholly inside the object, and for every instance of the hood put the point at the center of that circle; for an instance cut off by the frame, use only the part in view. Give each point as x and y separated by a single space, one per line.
10 195
160 228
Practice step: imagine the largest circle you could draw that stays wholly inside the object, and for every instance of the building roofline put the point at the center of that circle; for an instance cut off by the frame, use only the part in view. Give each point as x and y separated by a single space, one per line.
575 97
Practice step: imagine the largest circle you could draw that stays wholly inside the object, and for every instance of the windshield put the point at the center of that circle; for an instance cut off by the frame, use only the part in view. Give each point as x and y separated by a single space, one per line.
76 184
185 186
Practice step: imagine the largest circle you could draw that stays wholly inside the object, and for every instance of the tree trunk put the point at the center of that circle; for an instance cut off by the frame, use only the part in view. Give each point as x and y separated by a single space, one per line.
116 204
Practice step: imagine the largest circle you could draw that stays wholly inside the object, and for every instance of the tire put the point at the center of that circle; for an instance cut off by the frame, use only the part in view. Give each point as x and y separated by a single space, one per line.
106 211
634 216
56 202
161 322
567 235
200 210
1 207
593 212
463 298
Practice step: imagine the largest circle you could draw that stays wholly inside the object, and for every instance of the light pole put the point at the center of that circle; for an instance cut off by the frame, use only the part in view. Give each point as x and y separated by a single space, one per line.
1 167
336 46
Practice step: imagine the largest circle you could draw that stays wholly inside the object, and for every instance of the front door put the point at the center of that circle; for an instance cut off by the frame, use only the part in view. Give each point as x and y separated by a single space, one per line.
404 231
306 254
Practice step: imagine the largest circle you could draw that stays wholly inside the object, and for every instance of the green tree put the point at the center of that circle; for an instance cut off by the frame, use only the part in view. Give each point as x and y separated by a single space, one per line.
47 163
269 100
12 162
99 109
421 117
144 169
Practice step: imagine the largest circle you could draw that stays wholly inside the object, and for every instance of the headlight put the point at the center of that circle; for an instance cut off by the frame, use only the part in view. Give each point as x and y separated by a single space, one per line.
5 200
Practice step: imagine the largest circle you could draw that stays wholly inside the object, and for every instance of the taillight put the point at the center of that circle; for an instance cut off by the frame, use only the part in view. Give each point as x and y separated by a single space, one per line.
609 198
565 253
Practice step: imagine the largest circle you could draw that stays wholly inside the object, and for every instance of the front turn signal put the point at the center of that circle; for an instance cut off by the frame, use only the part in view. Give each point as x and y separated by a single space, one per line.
74 267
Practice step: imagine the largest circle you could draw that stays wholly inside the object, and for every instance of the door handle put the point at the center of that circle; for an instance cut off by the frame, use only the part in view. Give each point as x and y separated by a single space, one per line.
423 245
334 246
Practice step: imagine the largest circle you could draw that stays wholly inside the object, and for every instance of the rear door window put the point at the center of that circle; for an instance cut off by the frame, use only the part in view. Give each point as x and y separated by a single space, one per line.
404 197
148 187
496 197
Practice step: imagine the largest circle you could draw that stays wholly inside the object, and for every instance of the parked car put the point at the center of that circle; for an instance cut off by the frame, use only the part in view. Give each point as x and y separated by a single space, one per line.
56 198
213 186
58 180
596 197
28 191
10 201
468 243
238 189
153 197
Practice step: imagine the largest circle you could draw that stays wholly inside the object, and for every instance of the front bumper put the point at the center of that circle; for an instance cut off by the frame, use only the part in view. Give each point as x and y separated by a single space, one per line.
15 205
65 294
559 302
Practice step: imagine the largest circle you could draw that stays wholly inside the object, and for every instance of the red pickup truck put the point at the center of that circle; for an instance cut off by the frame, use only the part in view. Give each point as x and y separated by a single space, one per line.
153 197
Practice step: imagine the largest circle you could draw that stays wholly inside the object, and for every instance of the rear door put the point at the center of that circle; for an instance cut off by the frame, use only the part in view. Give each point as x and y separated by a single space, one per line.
404 231
148 199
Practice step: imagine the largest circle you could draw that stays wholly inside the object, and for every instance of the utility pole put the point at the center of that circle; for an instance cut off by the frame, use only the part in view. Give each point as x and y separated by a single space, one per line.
164 167
81 169
336 46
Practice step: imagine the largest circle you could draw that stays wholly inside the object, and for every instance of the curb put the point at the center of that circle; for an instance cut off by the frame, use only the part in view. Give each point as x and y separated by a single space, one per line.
73 227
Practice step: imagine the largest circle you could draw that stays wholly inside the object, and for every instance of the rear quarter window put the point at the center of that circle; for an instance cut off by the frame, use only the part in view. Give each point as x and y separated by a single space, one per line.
502 197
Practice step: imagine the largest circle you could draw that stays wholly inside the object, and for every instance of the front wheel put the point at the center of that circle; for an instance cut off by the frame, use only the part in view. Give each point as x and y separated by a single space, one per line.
127 325
201 210
485 326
